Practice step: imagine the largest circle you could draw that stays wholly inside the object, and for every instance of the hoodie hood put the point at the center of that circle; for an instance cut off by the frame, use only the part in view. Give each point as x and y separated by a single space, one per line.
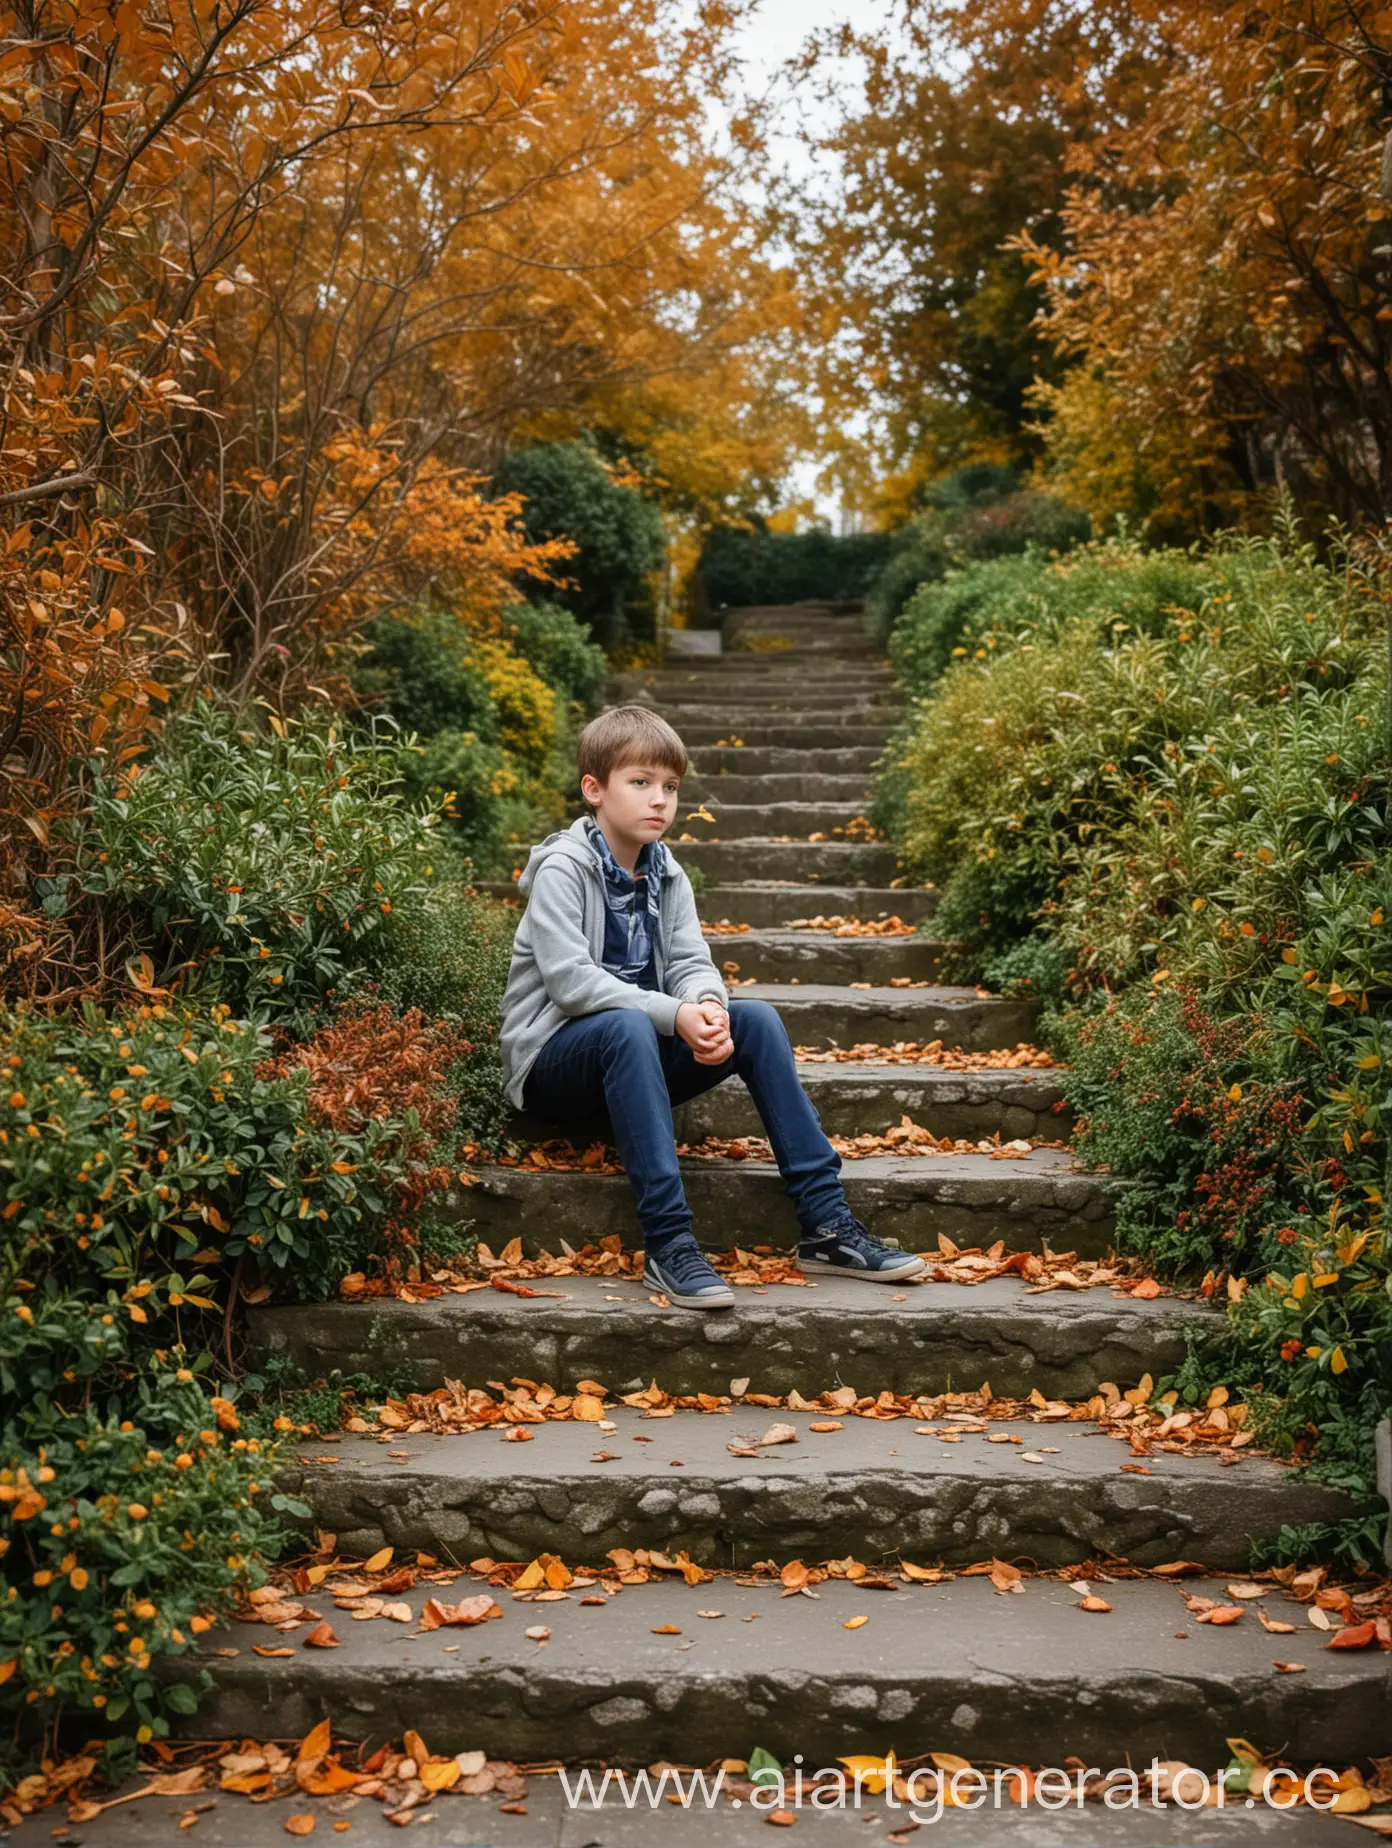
573 843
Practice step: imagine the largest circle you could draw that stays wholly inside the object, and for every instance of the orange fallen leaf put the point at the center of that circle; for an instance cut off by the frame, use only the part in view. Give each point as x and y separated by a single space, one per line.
854 1623
667 1629
299 1825
1290 1668
1221 1614
322 1637
262 1649
1093 1603
1354 1636
379 1560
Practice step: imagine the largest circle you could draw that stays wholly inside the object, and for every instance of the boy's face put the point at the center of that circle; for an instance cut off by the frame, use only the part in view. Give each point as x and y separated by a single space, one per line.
637 804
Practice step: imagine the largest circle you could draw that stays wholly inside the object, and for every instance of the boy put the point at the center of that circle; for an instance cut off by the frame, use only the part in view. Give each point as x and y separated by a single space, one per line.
613 1001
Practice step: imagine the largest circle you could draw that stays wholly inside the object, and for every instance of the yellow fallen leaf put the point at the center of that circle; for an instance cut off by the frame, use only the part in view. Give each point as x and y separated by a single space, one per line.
379 1560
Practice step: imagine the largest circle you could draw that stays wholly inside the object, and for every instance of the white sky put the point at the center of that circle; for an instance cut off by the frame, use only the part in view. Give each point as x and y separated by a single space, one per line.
773 33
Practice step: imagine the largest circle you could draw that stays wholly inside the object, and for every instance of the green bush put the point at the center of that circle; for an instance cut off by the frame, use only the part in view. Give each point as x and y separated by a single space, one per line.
139 1156
1155 791
556 645
466 781
450 958
1114 585
419 670
260 862
619 532
977 513
740 566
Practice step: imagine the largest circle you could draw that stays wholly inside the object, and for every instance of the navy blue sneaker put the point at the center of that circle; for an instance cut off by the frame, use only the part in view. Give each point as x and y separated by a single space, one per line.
847 1250
683 1273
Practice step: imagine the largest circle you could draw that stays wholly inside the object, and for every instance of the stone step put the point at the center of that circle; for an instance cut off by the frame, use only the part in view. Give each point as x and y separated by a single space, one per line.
784 786
834 1331
975 1199
820 1014
759 760
824 711
869 1489
778 956
852 1098
767 904
957 1666
817 735
839 863
739 820
737 682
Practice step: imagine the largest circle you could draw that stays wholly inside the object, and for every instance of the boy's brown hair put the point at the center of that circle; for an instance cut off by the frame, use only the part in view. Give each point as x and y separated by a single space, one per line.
629 735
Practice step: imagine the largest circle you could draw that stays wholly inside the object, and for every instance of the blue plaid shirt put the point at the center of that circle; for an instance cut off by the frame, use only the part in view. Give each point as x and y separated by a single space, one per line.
632 905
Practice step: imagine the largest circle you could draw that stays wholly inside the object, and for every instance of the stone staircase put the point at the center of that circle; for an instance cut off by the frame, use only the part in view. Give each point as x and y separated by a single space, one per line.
956 1666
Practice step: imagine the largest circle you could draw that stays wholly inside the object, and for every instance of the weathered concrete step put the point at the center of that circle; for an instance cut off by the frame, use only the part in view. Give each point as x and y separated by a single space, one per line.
758 760
766 904
816 734
853 1098
819 1015
834 1331
739 821
841 863
738 685
974 1199
871 1488
819 956
784 786
1028 1679
826 712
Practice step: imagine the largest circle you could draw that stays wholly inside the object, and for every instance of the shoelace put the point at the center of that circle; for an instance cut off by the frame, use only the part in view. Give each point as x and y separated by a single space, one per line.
686 1265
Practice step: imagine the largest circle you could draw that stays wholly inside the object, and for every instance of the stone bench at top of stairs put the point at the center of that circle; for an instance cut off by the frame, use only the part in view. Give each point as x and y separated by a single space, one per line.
974 1199
815 735
767 904
957 1666
806 862
820 956
860 1096
871 1488
832 1331
732 821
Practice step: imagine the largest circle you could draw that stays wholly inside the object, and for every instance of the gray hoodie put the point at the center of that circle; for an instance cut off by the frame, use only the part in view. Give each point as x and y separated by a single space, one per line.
557 971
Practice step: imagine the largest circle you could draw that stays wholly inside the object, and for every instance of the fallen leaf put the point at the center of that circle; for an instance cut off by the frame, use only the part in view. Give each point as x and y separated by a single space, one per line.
667 1629
1354 1636
854 1623
1290 1668
538 1633
264 1649
380 1560
299 1825
1092 1603
322 1637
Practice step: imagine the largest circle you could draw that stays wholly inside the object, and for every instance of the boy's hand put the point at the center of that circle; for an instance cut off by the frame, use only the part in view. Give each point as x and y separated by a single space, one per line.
705 1026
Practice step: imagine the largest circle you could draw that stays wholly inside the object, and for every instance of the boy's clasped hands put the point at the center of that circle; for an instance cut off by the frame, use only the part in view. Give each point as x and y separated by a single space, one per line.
705 1026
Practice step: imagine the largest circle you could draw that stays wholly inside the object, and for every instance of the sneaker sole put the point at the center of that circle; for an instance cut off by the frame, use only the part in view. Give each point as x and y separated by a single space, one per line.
813 1268
689 1302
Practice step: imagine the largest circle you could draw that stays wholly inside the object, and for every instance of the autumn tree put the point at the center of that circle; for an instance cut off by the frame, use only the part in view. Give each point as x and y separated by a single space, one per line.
961 142
1224 272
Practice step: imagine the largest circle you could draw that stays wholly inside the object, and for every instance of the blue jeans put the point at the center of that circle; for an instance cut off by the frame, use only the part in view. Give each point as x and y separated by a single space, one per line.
617 1060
